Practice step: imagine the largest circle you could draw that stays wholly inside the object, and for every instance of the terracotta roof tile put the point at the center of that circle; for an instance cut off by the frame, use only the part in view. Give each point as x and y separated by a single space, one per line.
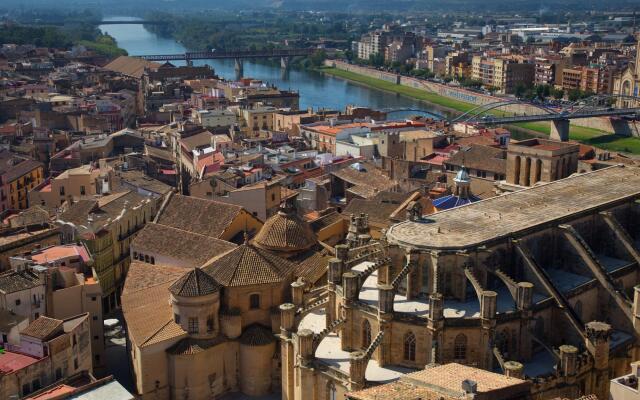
480 157
13 281
191 248
285 231
249 265
145 303
311 265
257 335
43 328
194 283
204 217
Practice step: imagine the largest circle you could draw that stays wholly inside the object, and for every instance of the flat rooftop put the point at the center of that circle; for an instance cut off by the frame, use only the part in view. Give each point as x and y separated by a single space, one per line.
507 215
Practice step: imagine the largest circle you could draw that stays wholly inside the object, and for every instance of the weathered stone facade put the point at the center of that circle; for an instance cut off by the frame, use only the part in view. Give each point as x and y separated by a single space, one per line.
535 284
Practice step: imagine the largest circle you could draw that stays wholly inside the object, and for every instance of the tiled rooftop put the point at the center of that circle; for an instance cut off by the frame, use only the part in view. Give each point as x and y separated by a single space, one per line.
11 362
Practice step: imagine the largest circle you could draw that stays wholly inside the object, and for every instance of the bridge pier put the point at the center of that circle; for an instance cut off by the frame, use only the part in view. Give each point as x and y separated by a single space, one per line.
285 62
239 68
560 129
189 62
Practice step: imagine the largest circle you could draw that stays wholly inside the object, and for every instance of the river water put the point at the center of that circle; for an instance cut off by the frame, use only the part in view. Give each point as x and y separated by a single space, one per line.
316 90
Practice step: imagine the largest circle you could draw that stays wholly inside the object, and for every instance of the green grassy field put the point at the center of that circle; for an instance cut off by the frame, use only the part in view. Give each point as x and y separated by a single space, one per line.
584 135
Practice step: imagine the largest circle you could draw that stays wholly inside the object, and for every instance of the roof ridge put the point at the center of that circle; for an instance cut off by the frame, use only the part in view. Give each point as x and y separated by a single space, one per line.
154 334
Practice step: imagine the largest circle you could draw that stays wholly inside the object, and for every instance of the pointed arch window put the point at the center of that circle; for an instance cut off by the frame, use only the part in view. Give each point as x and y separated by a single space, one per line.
410 346
331 391
460 347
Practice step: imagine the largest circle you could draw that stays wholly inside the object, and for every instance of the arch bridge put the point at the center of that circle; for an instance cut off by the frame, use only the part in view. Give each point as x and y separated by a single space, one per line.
512 111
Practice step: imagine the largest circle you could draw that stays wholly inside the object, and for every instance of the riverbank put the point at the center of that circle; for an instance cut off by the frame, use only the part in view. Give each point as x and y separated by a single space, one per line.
590 136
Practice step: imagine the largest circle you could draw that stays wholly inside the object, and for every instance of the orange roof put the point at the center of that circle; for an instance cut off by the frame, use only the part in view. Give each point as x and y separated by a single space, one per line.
334 130
59 252
10 362
54 392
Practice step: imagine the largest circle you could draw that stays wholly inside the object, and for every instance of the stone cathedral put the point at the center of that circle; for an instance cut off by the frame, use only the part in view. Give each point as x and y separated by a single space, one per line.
539 284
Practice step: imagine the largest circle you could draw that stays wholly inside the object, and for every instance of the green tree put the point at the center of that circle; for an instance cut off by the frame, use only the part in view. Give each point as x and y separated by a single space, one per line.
520 90
575 94
558 94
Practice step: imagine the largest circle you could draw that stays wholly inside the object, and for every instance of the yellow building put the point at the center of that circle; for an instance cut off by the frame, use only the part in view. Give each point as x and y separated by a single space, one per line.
258 119
107 226
18 175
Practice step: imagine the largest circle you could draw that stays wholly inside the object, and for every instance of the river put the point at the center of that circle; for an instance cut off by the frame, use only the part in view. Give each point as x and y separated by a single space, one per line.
316 90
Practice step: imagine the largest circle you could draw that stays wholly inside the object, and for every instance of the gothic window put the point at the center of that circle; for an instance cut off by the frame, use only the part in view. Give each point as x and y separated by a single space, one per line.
460 347
331 391
409 346
366 334
193 325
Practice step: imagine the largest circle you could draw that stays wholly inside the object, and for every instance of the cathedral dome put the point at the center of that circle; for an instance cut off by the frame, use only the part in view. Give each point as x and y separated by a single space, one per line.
285 232
195 283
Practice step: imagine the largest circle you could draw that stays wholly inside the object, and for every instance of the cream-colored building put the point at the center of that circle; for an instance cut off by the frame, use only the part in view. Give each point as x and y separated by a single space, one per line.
48 350
504 74
71 185
254 120
200 315
261 199
627 84
214 118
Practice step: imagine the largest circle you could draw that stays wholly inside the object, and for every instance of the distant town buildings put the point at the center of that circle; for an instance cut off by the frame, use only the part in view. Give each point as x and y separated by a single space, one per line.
207 238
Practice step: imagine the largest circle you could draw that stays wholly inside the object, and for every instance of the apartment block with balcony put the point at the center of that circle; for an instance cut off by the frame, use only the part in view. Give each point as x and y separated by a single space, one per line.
548 70
106 226
18 175
504 74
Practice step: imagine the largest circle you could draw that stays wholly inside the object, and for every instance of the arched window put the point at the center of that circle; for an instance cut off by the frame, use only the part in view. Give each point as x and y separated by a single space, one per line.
366 334
538 170
146 259
331 391
460 347
153 260
516 169
409 346
527 172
